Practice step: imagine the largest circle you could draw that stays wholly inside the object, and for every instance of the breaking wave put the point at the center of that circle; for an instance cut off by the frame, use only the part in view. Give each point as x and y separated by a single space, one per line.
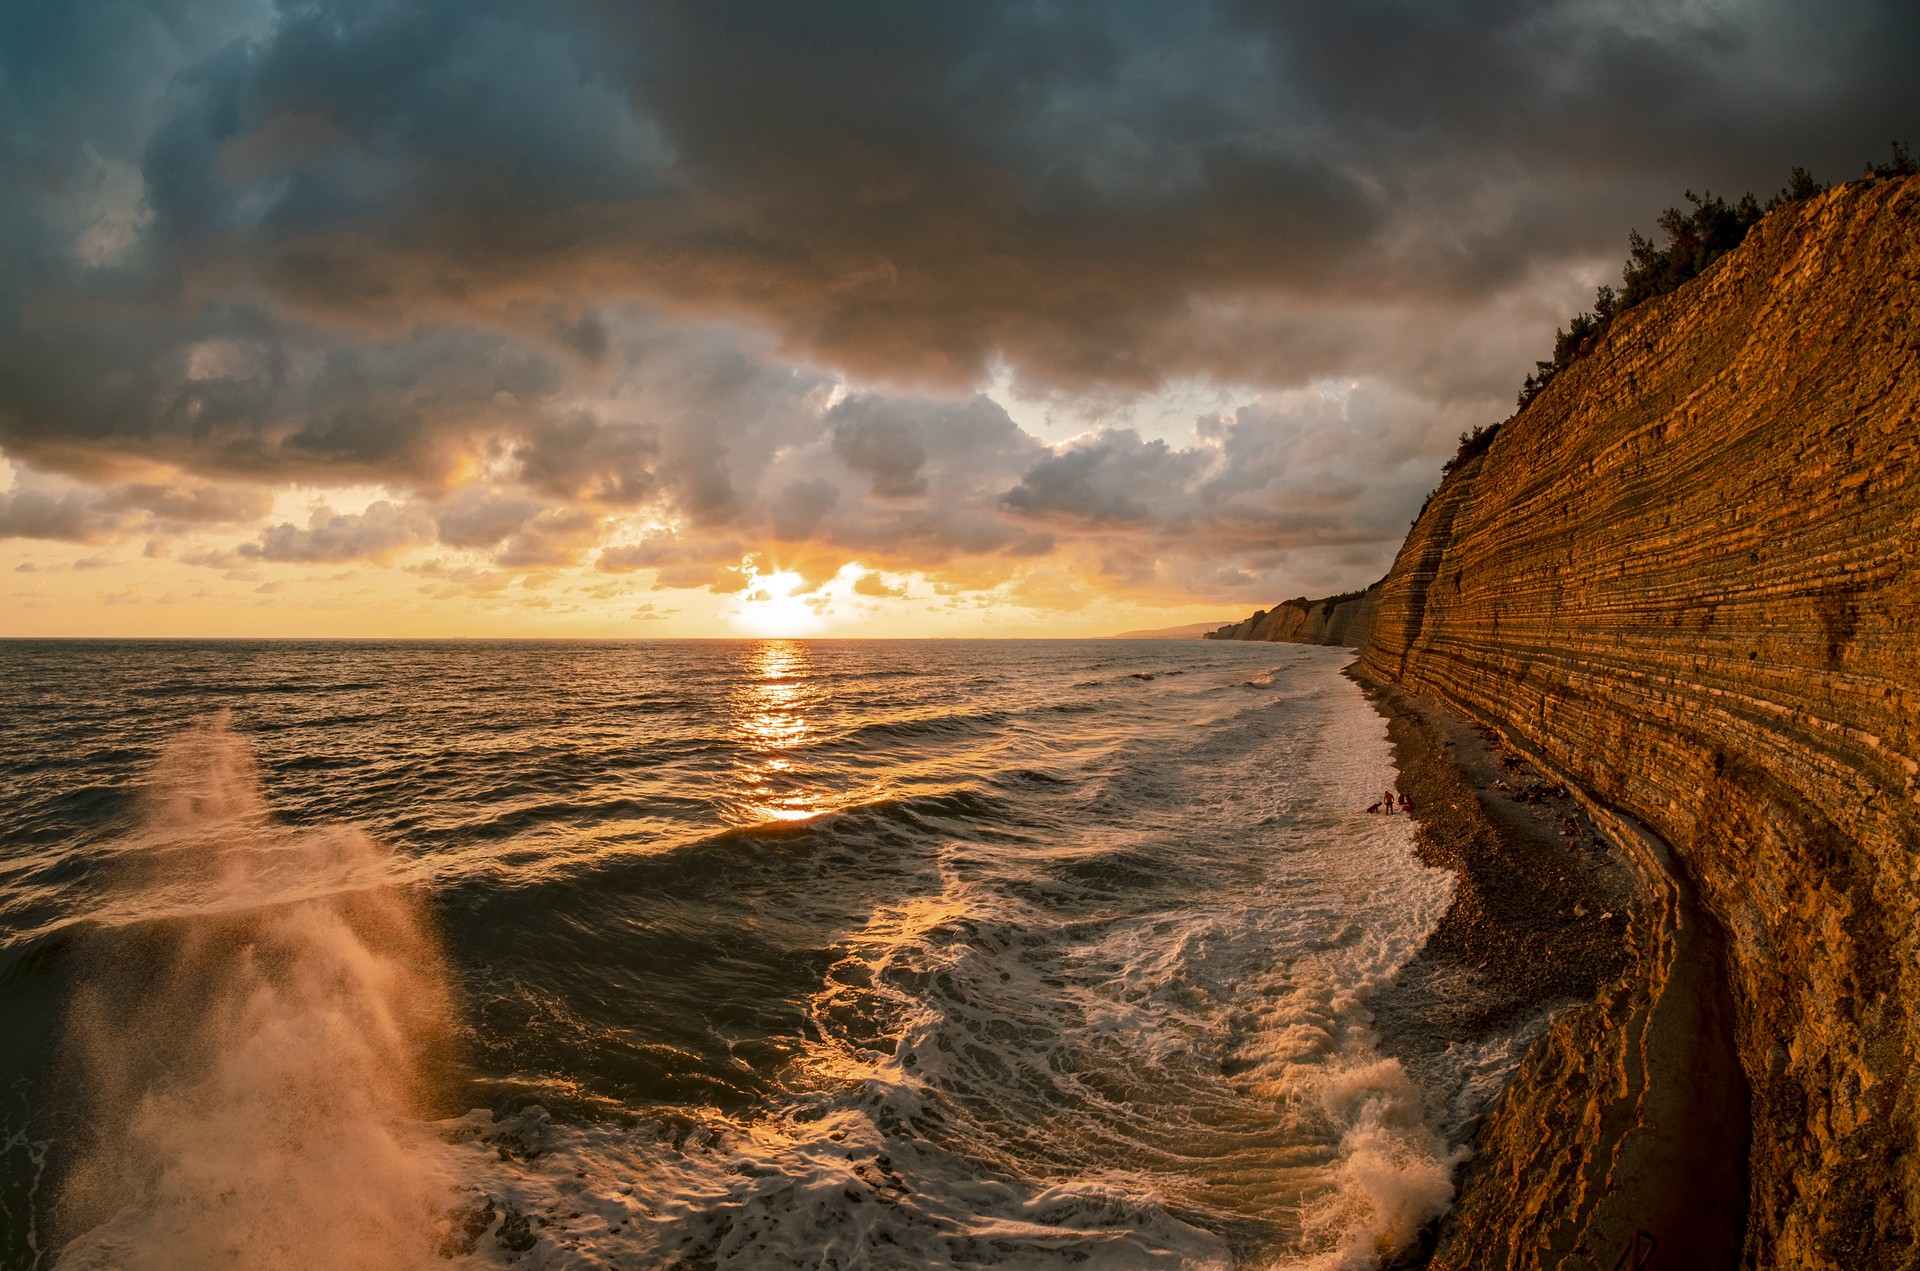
976 982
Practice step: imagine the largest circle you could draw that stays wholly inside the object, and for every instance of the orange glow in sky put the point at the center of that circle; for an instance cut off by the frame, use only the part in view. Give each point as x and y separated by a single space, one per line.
578 335
769 607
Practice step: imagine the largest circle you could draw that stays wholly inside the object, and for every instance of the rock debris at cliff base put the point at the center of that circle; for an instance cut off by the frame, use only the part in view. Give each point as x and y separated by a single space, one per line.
1685 578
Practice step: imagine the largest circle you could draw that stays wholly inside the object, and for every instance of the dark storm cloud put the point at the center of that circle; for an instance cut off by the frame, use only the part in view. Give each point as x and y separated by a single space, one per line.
406 245
230 392
901 189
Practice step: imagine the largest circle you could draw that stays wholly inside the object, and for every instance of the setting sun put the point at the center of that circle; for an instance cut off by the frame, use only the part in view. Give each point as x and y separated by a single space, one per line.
770 607
1181 636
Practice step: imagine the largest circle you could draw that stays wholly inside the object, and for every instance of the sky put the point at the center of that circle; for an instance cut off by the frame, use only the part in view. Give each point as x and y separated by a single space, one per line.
745 317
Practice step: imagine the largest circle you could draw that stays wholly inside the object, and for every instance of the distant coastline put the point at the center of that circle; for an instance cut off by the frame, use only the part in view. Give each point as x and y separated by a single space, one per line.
1191 631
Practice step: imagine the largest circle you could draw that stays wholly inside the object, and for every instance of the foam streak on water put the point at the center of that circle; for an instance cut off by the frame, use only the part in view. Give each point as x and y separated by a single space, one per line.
1024 954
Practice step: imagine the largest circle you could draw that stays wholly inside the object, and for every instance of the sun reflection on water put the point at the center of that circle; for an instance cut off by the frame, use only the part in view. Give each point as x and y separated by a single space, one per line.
768 713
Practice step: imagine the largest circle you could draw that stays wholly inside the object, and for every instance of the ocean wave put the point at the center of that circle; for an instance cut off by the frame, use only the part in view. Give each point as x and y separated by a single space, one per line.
1036 969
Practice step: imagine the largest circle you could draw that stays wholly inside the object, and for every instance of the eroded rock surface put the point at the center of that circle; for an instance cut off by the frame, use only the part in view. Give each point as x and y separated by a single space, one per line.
1686 576
1339 620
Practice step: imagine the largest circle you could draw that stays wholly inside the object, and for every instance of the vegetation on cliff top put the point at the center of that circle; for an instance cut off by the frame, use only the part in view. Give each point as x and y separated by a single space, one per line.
1339 599
1696 238
1471 444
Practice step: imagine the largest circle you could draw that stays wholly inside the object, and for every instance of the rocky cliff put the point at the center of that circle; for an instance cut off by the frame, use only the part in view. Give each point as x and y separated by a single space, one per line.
1684 579
1342 620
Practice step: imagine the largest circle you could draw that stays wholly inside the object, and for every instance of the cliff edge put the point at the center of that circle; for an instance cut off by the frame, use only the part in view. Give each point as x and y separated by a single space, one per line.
1683 581
1342 620
1685 578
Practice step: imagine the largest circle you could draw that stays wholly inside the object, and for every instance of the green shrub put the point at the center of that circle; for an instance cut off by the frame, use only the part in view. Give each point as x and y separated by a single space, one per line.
1471 444
1696 238
1901 166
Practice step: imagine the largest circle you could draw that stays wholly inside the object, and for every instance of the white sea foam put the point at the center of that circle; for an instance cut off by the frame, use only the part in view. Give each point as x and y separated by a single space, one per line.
828 1190
978 1050
1359 908
1024 1065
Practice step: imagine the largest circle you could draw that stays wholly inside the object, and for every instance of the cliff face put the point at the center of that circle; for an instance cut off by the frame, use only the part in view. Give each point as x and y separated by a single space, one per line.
1342 620
1685 577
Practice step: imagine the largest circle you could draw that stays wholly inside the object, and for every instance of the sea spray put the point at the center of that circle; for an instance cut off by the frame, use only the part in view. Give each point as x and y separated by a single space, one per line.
1395 1171
1068 968
254 1042
1388 1168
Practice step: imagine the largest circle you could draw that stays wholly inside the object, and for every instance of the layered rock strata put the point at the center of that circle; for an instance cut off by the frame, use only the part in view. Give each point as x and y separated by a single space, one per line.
1340 620
1685 578
1630 1118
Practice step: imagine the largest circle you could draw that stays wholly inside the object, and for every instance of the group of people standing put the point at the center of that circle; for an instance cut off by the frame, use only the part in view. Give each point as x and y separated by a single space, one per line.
1390 800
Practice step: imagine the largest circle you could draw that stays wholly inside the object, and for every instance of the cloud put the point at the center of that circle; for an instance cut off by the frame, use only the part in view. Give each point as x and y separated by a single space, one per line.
1313 484
1101 480
377 534
188 504
798 508
481 519
556 536
653 552
37 508
73 516
581 457
872 584
737 271
916 194
889 454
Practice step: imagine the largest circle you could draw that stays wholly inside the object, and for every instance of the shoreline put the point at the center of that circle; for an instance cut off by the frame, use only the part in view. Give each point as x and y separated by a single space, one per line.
1537 917
1629 1096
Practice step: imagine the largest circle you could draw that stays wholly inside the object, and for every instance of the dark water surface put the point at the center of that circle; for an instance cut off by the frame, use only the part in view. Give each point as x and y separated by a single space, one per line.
702 954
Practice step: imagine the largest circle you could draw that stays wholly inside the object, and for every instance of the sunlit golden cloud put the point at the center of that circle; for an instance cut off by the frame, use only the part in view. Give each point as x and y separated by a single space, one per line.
487 319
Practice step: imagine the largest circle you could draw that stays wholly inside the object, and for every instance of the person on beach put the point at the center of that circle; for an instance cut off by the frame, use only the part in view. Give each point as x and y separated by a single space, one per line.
1386 802
1406 804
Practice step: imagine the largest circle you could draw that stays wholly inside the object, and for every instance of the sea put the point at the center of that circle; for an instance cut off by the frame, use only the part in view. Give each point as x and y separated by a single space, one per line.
708 954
